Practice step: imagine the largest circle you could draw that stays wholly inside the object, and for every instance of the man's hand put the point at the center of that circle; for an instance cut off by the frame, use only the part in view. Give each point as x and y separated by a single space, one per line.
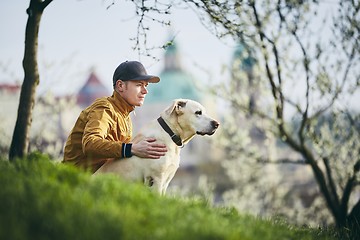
148 148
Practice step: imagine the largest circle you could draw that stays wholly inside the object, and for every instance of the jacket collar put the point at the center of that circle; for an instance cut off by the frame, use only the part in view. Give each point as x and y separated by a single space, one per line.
121 104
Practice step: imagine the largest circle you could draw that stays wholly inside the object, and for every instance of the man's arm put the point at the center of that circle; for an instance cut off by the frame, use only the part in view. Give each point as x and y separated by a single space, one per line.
94 141
96 145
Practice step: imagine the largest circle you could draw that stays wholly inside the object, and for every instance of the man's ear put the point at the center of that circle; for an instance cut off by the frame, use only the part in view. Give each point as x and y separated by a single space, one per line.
120 85
177 107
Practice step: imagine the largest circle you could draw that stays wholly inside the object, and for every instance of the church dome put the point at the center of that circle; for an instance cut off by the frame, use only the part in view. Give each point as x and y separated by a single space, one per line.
174 81
173 84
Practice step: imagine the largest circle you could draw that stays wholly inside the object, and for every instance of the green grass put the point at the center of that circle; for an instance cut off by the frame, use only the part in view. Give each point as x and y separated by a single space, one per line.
43 200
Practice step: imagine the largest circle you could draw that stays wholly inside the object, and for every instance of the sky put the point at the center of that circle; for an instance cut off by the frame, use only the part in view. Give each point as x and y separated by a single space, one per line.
77 36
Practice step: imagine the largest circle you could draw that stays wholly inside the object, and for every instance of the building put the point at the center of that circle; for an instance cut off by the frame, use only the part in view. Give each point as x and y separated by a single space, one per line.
53 116
9 98
272 180
91 90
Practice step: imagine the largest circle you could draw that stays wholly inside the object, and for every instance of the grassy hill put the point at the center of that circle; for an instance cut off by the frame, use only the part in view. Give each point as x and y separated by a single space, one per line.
44 200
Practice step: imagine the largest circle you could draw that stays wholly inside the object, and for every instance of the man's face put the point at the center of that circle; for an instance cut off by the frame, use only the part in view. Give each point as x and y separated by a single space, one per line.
133 92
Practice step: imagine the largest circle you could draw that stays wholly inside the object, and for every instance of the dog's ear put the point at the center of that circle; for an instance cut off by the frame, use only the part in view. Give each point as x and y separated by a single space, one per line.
179 109
176 107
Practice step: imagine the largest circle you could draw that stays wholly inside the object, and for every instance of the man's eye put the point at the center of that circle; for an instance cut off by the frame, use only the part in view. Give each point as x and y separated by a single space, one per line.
198 113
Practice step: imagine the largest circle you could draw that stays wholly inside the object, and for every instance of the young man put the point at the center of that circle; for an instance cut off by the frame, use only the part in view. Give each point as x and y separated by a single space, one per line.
103 130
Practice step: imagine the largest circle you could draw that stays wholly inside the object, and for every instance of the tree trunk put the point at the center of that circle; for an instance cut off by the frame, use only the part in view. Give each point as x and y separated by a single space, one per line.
20 139
353 221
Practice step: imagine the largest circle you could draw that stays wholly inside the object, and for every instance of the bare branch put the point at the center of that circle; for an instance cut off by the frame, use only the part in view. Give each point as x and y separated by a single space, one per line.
144 13
351 183
282 161
331 180
306 67
44 4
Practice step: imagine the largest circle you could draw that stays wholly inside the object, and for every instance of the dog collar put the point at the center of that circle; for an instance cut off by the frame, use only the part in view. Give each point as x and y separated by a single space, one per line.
176 139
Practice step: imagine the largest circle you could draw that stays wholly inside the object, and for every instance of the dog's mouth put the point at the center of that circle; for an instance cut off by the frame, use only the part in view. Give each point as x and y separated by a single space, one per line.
206 133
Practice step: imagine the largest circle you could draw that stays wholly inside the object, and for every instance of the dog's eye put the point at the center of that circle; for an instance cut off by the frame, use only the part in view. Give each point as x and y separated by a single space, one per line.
198 113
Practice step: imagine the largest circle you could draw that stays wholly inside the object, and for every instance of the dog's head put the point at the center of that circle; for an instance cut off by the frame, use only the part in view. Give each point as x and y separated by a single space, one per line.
191 117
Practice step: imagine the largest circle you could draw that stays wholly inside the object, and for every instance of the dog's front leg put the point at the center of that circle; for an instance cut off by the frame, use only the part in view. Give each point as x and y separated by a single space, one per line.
164 187
168 180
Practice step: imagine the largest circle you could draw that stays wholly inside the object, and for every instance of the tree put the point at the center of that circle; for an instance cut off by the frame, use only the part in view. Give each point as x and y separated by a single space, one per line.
300 46
20 139
328 70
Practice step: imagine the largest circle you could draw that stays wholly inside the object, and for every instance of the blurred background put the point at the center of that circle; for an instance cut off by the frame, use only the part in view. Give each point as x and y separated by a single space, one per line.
285 91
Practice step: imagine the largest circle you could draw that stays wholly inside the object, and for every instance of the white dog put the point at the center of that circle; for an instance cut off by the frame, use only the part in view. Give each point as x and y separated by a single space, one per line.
175 127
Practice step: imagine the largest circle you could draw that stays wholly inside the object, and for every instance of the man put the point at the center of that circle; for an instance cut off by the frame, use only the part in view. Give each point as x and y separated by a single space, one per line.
103 130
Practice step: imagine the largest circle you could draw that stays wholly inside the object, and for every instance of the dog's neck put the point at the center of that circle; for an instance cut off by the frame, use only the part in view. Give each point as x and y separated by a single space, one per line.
173 124
186 140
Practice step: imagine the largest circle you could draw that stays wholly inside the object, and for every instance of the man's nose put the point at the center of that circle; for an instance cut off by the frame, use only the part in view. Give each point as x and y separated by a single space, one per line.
144 90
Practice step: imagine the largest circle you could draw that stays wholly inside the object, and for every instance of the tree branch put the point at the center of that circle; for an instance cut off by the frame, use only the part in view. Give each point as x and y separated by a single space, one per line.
282 161
44 4
331 181
306 67
320 178
350 185
338 90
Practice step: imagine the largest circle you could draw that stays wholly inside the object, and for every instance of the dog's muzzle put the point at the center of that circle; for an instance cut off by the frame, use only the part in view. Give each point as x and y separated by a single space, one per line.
214 126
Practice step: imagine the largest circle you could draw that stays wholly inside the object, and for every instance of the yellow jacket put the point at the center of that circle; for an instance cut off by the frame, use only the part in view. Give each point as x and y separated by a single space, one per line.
101 133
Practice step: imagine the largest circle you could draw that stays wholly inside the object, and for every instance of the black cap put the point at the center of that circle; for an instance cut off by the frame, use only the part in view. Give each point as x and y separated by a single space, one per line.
132 71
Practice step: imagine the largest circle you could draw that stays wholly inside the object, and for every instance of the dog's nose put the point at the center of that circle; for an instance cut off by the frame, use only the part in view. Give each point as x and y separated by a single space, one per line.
215 124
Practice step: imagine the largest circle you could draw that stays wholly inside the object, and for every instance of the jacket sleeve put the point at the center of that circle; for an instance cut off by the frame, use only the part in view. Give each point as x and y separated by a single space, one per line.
95 143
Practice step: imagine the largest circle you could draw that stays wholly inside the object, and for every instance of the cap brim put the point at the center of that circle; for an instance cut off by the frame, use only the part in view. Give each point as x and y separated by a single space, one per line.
149 78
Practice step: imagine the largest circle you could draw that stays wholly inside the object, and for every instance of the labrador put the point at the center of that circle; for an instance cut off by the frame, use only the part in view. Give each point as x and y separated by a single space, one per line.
175 127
